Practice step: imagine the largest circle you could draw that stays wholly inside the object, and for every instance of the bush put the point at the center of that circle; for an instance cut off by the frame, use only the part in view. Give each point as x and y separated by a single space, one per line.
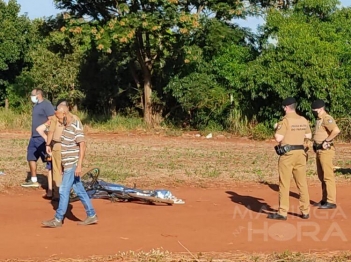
261 132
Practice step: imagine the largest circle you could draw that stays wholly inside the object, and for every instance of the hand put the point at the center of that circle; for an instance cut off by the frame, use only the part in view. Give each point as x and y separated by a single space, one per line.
78 170
48 150
325 144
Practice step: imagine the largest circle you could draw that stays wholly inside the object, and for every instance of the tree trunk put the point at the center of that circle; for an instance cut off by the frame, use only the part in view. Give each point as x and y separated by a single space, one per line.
147 102
152 114
137 82
113 107
6 104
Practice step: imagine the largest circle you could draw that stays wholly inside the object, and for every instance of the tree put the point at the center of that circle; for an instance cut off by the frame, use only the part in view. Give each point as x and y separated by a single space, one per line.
200 85
54 62
155 34
305 52
14 44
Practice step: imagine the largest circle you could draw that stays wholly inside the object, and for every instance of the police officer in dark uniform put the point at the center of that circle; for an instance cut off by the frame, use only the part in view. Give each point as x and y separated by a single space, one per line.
291 133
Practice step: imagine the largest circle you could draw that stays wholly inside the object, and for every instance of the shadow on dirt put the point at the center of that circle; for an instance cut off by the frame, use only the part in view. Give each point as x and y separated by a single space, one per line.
343 171
43 181
69 215
252 203
275 188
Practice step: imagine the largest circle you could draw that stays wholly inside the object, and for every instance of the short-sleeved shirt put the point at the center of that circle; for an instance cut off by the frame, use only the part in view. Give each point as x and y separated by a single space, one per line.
41 112
57 128
324 126
72 135
294 128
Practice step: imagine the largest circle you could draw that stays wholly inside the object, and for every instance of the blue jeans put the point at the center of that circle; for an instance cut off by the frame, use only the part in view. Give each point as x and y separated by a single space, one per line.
69 180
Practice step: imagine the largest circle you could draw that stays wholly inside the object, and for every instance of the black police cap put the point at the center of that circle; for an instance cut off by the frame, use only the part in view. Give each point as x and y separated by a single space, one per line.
288 101
319 103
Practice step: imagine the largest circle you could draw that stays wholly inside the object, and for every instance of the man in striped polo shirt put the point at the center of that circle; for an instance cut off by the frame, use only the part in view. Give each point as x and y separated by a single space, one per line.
72 155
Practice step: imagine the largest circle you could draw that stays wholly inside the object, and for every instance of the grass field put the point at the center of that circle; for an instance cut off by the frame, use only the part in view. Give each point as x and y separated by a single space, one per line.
151 158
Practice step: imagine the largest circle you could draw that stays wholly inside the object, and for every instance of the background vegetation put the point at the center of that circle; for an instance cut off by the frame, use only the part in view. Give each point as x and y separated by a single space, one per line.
180 64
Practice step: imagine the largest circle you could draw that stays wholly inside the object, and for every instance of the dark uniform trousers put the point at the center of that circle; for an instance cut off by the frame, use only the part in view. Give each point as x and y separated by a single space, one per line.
325 171
293 162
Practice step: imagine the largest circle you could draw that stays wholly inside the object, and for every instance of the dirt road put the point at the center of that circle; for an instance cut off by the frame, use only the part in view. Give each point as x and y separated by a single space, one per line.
211 220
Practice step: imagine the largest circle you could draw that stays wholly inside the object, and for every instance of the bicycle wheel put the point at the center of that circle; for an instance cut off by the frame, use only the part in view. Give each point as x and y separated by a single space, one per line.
151 199
90 178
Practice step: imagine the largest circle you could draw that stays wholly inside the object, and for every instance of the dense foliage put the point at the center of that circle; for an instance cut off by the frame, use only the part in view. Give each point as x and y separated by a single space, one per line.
185 63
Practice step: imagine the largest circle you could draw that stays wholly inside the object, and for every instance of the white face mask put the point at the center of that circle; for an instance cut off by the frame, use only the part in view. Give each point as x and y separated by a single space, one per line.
34 99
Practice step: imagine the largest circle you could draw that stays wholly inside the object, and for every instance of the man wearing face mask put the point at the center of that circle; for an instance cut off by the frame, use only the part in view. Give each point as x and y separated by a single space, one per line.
291 133
325 131
42 112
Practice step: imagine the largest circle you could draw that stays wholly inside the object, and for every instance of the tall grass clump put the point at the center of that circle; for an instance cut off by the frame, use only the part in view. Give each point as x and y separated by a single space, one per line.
14 120
111 123
11 120
238 123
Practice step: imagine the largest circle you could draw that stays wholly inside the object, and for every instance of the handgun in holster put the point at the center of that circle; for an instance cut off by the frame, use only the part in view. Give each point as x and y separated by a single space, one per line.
281 150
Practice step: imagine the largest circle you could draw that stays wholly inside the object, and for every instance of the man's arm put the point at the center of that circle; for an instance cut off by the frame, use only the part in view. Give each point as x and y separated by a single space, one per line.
308 133
80 140
278 138
41 130
49 137
82 148
280 131
308 136
331 126
49 110
51 130
333 134
50 134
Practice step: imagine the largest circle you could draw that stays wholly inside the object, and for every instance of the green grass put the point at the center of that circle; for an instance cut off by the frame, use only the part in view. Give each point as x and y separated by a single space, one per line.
150 159
11 120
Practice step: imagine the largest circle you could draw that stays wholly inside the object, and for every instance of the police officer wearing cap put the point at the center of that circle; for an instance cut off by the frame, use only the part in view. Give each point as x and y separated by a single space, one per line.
325 131
291 133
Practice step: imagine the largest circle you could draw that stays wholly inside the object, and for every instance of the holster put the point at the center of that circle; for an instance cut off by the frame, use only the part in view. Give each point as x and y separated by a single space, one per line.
319 146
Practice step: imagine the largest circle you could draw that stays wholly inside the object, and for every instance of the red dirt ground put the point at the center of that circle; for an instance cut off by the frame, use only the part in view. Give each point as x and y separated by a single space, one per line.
211 220
226 219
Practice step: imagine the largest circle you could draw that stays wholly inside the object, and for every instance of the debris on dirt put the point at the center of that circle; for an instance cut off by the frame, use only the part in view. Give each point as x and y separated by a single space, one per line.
209 136
124 238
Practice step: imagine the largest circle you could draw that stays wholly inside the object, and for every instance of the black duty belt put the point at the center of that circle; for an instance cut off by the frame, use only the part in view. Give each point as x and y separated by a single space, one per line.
320 146
296 147
281 150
